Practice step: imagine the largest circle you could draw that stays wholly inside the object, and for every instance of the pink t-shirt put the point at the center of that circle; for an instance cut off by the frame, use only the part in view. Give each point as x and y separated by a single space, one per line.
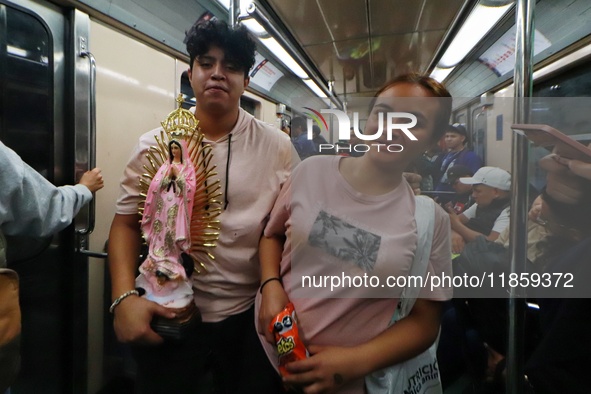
261 158
335 231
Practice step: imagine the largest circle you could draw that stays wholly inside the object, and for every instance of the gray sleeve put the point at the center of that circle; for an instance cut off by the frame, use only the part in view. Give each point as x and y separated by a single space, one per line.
31 205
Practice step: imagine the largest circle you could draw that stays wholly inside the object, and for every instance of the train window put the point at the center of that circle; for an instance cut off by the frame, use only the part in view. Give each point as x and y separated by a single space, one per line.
249 105
26 82
576 82
563 102
187 91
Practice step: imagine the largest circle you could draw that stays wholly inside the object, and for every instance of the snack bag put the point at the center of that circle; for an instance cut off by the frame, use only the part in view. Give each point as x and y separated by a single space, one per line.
287 338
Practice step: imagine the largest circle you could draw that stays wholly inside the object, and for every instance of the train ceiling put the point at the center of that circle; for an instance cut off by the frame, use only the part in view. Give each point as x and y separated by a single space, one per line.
360 44
412 35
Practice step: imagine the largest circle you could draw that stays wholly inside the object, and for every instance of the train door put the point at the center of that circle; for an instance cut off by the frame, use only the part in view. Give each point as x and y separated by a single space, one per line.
41 71
474 118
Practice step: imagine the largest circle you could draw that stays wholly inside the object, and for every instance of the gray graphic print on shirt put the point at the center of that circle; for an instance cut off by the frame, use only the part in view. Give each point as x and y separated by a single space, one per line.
345 241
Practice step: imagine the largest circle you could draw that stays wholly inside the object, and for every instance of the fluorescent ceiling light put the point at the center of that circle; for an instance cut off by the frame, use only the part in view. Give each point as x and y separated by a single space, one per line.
253 26
319 92
16 51
477 25
439 74
501 92
284 57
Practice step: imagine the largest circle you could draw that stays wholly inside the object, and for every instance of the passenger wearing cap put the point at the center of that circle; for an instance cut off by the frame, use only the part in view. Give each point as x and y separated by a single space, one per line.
456 139
462 199
489 215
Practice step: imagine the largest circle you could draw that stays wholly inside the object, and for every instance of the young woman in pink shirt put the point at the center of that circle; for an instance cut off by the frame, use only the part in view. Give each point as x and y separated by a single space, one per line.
354 217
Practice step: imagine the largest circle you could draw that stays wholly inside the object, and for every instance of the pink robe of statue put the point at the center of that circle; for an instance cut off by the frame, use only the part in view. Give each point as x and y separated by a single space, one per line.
166 225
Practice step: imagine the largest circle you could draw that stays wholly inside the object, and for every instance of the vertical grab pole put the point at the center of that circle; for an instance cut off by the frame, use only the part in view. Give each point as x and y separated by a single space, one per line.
82 234
522 79
91 137
232 13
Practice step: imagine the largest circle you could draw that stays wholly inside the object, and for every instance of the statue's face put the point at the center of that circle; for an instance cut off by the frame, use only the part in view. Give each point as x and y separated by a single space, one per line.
176 151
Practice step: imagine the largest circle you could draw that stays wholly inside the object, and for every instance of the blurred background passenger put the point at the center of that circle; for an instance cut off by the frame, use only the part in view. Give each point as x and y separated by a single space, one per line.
319 140
560 362
456 140
428 167
299 138
462 199
30 205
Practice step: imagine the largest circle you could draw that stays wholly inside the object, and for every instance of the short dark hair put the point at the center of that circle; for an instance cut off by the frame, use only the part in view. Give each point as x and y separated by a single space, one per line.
236 43
436 88
316 130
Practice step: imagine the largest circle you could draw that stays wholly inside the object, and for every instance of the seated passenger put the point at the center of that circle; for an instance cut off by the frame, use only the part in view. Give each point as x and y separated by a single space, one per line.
488 316
557 351
462 199
560 362
489 216
535 233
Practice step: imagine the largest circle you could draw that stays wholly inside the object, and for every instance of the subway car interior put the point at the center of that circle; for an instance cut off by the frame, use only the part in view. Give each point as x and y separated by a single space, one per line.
81 80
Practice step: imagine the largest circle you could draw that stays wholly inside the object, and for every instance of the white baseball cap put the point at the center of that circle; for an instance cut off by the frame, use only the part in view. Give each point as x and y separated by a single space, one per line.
490 176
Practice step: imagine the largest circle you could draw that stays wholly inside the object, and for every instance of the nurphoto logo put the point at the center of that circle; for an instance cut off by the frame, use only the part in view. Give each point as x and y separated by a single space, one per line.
344 127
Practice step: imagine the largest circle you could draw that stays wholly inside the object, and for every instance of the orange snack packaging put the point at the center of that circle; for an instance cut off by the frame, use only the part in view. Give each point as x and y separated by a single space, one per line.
287 338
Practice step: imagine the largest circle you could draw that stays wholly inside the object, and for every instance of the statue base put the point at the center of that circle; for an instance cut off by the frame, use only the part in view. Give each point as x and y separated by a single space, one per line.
177 329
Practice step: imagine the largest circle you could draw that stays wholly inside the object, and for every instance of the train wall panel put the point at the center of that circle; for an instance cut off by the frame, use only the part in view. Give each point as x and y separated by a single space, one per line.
499 151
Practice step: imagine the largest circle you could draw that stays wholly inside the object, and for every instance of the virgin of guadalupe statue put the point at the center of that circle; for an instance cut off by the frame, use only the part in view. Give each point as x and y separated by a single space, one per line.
166 224
179 218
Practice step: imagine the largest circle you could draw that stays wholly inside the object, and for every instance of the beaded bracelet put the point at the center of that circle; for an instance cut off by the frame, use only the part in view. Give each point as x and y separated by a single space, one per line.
267 281
121 298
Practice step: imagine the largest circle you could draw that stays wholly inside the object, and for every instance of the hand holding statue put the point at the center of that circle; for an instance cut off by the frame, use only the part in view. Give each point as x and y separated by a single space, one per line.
179 225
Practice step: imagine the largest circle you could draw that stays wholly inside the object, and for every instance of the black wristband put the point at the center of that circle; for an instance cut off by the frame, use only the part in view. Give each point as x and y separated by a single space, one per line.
267 281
